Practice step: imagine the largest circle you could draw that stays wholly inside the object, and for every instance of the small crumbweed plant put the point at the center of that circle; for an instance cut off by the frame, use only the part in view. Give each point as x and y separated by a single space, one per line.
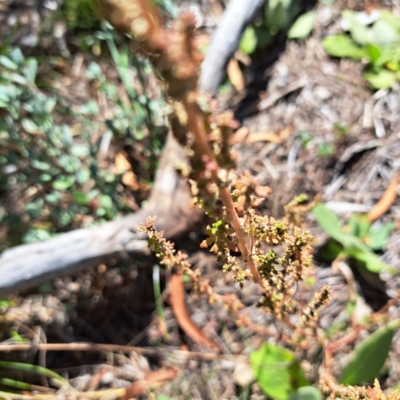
225 196
274 253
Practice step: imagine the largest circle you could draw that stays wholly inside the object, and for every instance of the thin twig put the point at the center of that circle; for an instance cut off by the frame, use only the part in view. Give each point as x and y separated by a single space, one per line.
93 347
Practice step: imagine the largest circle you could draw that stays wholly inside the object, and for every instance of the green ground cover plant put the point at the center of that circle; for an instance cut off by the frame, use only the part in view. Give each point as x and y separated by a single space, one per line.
373 40
55 165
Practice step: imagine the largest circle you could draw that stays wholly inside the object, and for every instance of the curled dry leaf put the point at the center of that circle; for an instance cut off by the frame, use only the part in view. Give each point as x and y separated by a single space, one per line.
130 179
263 191
386 201
123 166
181 314
240 135
235 74
151 380
121 163
243 374
272 137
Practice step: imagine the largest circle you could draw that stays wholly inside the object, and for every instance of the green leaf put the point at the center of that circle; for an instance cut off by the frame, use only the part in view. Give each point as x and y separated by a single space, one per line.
80 150
163 397
358 31
49 104
331 250
29 125
386 29
325 149
63 183
392 65
303 26
40 165
82 175
341 46
17 56
380 78
352 246
264 38
36 235
19 385
101 212
93 71
279 14
80 198
305 138
45 177
32 369
369 356
359 225
106 201
373 52
329 222
31 69
387 54
17 78
378 237
306 393
277 371
371 260
7 63
89 108
248 43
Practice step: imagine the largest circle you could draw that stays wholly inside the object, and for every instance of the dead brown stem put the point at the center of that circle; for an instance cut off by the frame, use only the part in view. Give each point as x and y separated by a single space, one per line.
94 347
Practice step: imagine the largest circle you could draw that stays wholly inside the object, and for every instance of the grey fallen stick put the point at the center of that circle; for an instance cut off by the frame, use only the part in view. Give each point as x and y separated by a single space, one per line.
225 41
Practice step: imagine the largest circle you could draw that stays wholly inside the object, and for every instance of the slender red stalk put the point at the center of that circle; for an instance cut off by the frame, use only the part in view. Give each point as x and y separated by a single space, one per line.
197 128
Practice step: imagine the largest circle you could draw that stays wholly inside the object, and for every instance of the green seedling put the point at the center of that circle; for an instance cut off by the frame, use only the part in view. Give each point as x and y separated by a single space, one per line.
302 26
305 138
279 17
376 43
357 240
325 149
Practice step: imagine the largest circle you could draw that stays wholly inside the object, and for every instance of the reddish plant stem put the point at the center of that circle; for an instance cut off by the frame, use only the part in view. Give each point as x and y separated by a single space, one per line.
331 348
197 128
177 298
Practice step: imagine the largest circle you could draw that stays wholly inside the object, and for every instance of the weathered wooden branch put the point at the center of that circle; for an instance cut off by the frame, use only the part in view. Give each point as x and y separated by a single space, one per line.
25 266
225 41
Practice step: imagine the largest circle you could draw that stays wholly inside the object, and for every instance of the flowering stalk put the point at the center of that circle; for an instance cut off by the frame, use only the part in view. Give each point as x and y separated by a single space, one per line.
197 128
207 136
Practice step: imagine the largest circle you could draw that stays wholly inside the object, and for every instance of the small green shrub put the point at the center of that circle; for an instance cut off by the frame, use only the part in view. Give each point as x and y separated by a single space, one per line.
357 241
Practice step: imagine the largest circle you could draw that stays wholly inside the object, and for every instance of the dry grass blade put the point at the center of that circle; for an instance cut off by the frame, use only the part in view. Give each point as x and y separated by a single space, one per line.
235 74
272 137
386 201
